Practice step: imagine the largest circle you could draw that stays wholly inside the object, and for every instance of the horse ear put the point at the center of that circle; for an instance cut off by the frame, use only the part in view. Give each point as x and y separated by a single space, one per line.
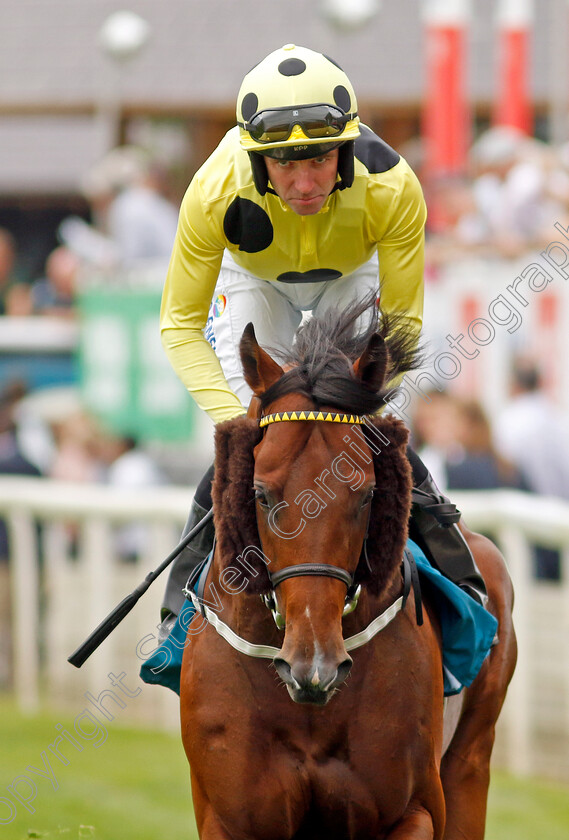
260 370
371 367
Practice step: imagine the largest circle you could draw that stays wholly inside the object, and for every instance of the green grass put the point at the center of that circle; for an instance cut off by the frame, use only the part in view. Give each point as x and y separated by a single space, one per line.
527 809
135 786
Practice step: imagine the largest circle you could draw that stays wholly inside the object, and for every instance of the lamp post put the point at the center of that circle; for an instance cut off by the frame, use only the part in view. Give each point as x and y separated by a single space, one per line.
349 14
121 38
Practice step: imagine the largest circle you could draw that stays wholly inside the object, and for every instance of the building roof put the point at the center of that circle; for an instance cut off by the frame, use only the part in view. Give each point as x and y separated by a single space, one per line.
196 56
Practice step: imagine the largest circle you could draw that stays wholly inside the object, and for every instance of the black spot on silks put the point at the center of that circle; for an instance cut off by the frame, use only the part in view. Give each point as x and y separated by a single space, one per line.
315 275
374 152
342 98
247 225
292 67
249 106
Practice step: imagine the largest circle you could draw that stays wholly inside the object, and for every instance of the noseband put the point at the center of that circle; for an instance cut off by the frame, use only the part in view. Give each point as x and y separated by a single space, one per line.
313 569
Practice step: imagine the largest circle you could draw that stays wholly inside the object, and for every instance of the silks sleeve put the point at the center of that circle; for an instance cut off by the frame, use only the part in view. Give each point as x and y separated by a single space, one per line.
399 214
401 247
188 291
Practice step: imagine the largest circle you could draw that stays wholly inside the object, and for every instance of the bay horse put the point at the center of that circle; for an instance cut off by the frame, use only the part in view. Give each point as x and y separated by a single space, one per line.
312 496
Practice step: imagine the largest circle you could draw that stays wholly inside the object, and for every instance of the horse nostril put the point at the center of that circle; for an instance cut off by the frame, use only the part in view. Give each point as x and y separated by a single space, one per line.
343 670
283 669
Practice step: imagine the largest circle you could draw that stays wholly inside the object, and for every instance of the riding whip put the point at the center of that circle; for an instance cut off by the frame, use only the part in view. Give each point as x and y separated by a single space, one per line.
115 617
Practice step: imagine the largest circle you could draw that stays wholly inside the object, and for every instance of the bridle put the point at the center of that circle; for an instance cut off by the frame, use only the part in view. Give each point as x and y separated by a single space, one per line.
313 569
410 575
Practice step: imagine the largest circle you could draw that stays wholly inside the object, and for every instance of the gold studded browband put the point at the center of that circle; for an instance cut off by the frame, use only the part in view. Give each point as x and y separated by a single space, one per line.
323 416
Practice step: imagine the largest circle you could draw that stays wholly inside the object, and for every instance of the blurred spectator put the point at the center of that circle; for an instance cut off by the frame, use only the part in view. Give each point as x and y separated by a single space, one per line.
454 225
509 189
12 462
14 295
434 427
532 433
508 204
124 190
7 262
130 467
18 301
478 466
77 449
54 294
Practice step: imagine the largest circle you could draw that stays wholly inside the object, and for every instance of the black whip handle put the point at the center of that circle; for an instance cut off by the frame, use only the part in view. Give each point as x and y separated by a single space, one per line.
114 618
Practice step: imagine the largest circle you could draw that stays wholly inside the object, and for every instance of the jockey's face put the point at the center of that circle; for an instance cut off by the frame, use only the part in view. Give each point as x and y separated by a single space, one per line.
304 184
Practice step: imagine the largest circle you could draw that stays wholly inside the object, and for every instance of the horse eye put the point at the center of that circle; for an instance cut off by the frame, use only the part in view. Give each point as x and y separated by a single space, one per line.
261 497
368 497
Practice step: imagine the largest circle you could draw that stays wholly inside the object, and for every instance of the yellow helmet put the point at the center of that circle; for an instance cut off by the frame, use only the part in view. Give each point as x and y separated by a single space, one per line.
293 99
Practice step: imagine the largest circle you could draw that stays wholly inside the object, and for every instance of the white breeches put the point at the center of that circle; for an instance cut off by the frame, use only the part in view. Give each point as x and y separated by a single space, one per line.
276 310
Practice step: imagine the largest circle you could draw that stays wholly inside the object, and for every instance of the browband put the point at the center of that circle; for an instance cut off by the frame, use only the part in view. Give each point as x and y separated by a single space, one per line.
325 416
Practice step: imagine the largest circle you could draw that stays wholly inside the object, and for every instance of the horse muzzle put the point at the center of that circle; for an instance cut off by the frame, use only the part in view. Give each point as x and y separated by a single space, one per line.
315 683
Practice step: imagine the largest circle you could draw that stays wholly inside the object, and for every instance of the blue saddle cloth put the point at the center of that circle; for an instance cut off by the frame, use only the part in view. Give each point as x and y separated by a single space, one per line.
467 629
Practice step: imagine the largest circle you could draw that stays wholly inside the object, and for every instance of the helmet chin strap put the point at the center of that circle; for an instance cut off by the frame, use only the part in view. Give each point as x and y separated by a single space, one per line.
260 174
345 169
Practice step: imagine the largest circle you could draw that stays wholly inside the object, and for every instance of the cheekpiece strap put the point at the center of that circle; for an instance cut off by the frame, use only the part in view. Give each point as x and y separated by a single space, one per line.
321 416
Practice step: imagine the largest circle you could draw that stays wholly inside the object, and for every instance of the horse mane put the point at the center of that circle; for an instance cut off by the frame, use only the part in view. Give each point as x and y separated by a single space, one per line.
325 348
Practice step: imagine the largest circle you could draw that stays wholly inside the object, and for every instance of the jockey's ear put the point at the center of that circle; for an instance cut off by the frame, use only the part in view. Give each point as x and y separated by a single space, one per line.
371 367
260 370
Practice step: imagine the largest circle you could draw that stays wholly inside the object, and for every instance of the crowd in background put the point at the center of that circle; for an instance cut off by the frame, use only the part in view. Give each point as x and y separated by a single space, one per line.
505 205
132 222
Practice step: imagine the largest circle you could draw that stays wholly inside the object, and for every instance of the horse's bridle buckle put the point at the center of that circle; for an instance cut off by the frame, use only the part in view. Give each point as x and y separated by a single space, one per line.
352 598
270 602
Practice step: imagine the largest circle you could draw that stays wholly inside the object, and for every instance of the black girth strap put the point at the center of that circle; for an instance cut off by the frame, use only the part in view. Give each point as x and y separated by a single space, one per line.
321 569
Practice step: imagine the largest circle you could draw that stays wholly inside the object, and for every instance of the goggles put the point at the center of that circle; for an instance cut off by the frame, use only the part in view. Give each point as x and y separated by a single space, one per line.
316 121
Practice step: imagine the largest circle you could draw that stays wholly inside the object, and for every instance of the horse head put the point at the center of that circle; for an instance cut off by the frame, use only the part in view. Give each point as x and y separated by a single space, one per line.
322 480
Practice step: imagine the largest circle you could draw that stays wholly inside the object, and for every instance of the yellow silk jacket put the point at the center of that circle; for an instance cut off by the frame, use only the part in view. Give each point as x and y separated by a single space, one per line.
384 209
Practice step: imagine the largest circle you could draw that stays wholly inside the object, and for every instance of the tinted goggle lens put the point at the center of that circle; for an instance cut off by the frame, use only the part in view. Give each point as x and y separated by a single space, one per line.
316 122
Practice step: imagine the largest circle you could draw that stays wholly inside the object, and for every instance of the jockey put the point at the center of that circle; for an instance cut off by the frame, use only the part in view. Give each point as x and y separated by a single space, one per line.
301 207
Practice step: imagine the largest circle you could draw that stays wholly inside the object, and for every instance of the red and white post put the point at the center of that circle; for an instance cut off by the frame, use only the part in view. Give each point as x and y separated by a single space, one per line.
512 106
446 115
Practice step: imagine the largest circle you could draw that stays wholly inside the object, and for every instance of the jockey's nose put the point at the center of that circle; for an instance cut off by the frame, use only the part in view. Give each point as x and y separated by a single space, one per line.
304 181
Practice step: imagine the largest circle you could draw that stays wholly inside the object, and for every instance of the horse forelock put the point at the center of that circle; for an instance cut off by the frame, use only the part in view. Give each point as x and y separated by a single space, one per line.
319 365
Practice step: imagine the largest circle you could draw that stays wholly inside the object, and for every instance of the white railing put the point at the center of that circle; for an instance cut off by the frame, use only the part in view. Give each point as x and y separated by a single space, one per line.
534 726
66 576
80 579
